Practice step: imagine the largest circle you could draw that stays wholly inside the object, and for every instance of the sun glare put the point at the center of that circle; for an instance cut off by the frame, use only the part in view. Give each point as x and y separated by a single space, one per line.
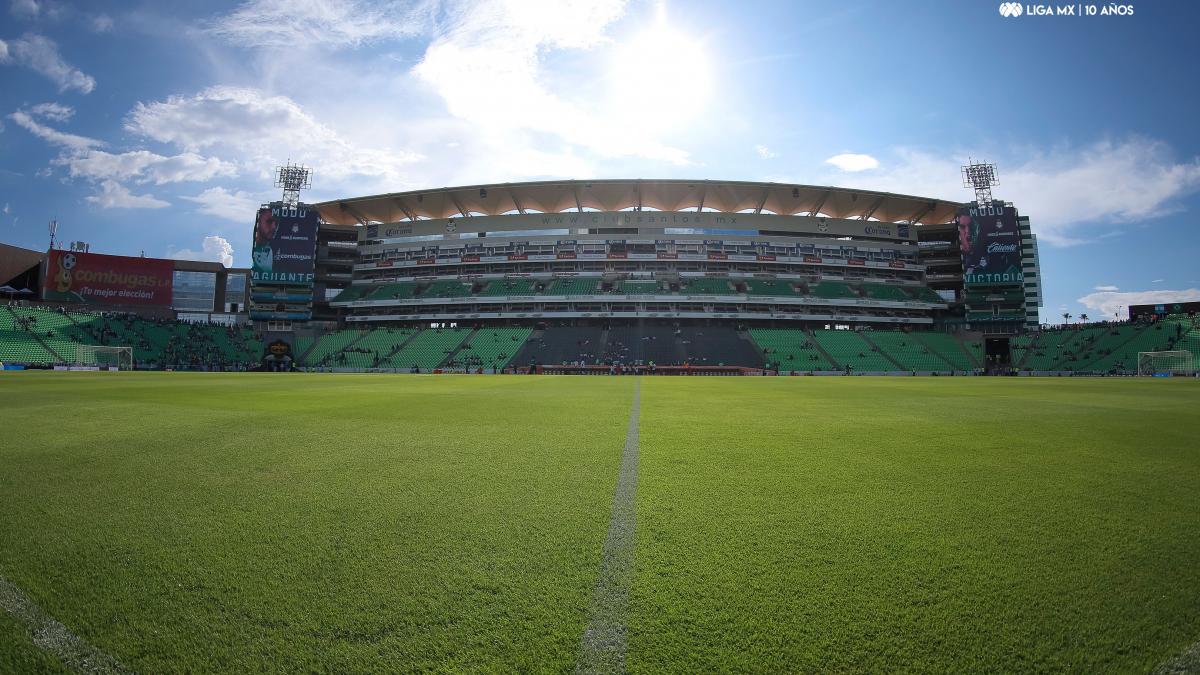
660 77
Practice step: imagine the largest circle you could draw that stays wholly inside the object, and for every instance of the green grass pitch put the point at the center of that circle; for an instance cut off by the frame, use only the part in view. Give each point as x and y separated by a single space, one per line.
344 523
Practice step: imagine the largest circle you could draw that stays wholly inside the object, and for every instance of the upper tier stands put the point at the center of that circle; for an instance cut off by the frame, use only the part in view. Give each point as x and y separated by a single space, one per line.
574 286
502 287
885 292
771 287
832 290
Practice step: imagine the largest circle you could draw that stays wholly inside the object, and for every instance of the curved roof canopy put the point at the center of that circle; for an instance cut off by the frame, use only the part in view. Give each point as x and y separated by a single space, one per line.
621 195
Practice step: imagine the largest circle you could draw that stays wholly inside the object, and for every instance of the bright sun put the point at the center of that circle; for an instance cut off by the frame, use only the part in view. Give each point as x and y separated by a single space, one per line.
660 77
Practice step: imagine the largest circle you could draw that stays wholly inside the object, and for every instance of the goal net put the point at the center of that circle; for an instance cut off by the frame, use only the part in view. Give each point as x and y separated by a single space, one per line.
1177 362
119 358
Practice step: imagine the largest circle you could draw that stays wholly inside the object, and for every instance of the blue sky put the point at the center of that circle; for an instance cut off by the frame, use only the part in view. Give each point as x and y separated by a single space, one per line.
153 126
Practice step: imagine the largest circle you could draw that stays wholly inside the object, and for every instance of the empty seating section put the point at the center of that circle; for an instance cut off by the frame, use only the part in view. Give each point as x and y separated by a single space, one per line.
563 344
489 348
447 288
1189 339
771 287
718 346
909 351
376 346
575 286
885 292
397 291
502 287
951 349
632 345
832 290
1124 357
628 287
848 348
353 293
428 349
789 349
328 346
707 286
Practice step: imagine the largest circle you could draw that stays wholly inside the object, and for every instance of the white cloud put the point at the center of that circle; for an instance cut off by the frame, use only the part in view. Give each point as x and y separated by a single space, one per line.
147 167
1106 288
113 195
53 111
292 23
101 23
7 209
41 54
4 56
54 136
1106 182
485 64
253 126
237 206
27 9
1158 281
764 152
213 249
1109 303
848 161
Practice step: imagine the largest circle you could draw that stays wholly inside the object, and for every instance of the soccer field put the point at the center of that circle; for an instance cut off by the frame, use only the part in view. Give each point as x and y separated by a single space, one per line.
252 522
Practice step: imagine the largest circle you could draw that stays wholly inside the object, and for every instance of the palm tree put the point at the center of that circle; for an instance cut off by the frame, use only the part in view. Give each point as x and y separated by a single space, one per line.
1066 317
1083 318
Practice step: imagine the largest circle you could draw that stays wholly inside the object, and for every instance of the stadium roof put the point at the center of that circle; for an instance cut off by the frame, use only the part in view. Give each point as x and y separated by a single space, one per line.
620 195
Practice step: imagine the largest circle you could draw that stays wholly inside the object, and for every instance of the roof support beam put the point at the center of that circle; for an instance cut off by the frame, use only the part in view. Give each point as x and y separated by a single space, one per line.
762 200
362 220
638 191
516 202
874 207
703 192
400 204
916 217
578 204
457 205
820 203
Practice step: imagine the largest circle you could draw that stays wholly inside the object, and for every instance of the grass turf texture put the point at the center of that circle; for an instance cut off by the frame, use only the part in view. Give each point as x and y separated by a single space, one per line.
342 522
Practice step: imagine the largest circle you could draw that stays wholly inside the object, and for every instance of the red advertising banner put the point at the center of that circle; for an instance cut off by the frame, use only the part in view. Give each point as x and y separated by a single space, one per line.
518 256
566 255
897 264
426 261
470 258
766 257
667 256
811 259
384 263
618 256
857 262
718 256
108 279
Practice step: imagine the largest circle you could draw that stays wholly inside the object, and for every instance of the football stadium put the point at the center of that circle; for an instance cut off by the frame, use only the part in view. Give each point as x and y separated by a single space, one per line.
594 426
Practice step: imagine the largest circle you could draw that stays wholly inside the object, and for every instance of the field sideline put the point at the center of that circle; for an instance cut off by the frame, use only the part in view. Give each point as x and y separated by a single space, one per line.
248 522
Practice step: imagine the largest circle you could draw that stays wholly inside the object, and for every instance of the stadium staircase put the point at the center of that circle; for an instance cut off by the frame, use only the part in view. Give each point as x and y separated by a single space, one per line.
868 336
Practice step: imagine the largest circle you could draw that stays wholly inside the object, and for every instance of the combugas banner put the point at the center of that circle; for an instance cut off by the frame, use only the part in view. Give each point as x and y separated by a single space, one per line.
990 243
107 279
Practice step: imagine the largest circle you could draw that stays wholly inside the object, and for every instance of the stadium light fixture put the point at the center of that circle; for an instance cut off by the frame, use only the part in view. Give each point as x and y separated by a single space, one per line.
980 176
292 178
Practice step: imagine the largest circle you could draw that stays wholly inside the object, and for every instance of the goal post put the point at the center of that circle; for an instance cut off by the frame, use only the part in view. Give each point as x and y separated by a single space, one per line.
119 358
1175 362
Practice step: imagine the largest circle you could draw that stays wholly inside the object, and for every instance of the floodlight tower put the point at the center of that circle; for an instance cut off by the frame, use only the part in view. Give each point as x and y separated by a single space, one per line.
292 178
980 176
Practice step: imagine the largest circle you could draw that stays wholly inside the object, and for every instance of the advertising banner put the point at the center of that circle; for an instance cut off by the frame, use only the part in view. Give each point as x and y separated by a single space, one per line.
107 279
990 243
285 245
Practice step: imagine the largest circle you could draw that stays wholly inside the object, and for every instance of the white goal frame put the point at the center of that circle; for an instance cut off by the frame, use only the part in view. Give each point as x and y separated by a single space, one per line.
104 355
1174 362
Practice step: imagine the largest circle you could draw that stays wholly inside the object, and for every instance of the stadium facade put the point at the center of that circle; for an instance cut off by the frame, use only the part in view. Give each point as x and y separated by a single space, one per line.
673 250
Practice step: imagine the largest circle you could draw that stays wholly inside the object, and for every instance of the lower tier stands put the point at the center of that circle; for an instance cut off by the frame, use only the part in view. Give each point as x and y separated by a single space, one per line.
490 349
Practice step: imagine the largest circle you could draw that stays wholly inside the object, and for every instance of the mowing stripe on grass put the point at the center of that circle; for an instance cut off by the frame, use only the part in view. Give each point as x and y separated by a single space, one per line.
605 637
53 637
1184 664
